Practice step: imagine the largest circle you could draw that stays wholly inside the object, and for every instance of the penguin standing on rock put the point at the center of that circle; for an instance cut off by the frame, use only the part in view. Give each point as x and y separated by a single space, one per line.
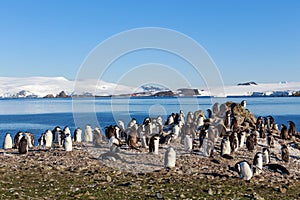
251 141
48 138
78 135
30 139
7 141
285 153
188 143
233 142
68 142
226 148
88 134
284 134
258 163
154 144
23 145
244 170
17 139
270 140
292 130
266 155
170 158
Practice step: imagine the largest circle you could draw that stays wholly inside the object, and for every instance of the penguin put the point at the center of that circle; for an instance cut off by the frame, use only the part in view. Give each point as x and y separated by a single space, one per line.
241 138
30 139
132 123
67 130
176 131
189 118
215 109
244 170
48 138
97 139
251 141
202 136
68 142
209 114
165 139
258 163
244 104
227 120
154 144
292 130
118 132
56 129
7 141
159 120
121 125
144 142
181 118
226 148
208 147
233 142
170 158
17 139
200 122
42 140
284 132
188 143
277 168
133 138
266 155
78 135
57 134
110 131
285 153
270 140
114 143
23 145
88 134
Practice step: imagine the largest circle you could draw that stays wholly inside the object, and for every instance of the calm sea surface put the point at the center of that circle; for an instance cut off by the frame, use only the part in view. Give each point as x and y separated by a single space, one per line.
38 115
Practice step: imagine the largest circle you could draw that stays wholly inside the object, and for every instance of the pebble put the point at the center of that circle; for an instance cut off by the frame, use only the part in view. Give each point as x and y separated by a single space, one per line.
210 192
158 195
108 178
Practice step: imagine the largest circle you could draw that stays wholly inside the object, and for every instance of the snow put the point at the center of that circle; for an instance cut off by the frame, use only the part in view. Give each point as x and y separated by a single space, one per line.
264 89
15 87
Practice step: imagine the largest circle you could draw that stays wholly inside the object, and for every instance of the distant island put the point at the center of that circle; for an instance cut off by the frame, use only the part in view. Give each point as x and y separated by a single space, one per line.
60 87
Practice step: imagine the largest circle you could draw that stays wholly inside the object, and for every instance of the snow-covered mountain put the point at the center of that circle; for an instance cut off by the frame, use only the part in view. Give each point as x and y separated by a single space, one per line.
52 86
263 89
11 87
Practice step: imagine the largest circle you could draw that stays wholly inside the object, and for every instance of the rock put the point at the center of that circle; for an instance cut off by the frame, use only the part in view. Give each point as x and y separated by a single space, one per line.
283 190
108 178
158 195
49 96
210 192
62 94
256 196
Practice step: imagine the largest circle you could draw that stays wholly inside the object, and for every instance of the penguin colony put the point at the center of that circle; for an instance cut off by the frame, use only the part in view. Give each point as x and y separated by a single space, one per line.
197 132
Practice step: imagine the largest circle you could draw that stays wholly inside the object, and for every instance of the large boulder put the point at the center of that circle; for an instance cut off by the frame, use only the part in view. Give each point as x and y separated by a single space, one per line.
241 113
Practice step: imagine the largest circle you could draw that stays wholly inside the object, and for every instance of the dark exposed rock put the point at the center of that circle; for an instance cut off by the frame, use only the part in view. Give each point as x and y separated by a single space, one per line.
62 94
49 96
248 83
164 93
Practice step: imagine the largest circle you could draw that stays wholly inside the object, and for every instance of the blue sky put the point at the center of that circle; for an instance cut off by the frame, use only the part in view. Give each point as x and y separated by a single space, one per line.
248 40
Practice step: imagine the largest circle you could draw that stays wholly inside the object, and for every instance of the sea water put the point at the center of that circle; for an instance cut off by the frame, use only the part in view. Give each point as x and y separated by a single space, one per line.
39 115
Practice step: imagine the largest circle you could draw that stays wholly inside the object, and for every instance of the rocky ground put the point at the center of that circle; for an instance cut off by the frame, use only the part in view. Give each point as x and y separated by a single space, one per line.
56 174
